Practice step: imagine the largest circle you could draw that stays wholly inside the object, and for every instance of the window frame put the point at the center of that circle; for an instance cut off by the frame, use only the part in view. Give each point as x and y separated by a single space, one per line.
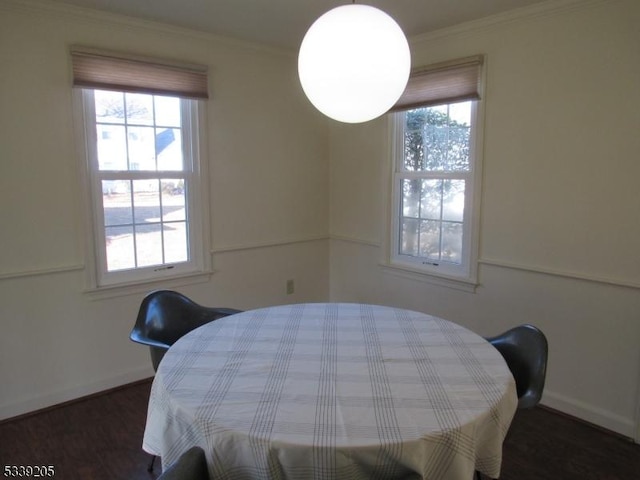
196 198
463 276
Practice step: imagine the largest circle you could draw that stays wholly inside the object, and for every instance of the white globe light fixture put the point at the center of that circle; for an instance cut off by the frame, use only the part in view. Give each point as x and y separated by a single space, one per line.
354 63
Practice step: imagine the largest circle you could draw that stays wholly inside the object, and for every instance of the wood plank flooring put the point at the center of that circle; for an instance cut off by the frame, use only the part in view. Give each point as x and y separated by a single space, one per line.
100 438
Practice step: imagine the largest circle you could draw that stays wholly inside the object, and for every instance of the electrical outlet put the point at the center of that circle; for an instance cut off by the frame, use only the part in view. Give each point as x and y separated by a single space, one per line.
290 286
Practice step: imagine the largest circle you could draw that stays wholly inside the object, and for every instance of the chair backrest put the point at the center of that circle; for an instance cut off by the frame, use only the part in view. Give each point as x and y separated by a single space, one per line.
525 349
165 316
191 465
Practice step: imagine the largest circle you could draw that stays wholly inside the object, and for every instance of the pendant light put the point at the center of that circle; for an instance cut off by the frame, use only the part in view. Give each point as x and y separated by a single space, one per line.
354 63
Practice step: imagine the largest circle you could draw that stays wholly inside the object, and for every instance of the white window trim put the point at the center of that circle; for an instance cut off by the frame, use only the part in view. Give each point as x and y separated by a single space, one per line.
199 268
463 278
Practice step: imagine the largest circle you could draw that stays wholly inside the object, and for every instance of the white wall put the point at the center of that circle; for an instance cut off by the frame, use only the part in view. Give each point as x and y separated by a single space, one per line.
269 190
560 221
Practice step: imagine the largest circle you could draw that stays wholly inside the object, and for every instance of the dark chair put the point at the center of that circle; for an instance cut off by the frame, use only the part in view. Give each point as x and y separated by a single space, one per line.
165 316
525 349
192 465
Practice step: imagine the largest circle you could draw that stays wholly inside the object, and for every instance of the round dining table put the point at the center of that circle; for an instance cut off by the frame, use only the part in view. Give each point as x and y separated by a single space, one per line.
333 391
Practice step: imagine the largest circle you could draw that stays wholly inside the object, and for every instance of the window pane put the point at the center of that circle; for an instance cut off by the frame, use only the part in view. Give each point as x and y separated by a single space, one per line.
175 242
435 145
457 149
111 188
460 113
142 148
430 202
452 242
112 147
109 106
409 237
438 138
139 108
120 248
413 151
453 200
411 197
147 209
173 200
146 201
169 149
116 202
430 239
149 245
167 111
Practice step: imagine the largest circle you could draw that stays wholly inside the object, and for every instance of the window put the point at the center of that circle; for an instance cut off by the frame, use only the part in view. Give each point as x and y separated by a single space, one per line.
436 172
143 172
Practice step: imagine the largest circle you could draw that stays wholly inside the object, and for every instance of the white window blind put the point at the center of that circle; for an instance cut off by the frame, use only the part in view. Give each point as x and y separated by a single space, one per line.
106 70
441 83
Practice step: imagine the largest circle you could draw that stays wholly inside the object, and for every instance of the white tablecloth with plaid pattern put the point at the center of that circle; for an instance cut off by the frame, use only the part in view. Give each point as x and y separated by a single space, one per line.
333 391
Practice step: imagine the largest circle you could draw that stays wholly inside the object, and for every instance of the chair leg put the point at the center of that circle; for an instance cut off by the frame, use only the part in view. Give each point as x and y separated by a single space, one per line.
150 467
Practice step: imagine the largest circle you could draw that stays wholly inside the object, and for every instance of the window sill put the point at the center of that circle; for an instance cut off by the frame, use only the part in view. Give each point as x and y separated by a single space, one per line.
121 290
458 283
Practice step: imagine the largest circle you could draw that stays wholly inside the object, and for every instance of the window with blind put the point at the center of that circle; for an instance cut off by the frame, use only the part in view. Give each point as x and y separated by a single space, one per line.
436 171
141 122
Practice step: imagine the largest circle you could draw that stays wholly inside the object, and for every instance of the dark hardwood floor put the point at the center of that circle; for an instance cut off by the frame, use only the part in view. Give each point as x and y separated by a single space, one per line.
99 438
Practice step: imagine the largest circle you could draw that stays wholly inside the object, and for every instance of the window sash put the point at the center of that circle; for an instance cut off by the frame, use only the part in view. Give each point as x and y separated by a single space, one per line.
195 263
464 270
443 265
104 70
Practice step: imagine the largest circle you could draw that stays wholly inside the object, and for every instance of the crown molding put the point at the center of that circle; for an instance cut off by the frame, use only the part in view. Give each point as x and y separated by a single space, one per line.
549 8
46 10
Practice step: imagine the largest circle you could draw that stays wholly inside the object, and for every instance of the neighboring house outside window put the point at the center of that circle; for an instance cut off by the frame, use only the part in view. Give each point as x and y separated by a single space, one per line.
143 171
436 178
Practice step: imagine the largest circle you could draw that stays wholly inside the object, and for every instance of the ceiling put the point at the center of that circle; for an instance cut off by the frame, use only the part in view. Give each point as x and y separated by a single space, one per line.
283 23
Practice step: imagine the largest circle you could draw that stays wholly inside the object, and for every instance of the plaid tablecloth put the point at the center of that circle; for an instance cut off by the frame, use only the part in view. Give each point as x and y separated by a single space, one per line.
333 391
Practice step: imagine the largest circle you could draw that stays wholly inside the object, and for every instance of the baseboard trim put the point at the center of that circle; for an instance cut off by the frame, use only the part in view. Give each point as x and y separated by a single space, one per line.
588 413
39 403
